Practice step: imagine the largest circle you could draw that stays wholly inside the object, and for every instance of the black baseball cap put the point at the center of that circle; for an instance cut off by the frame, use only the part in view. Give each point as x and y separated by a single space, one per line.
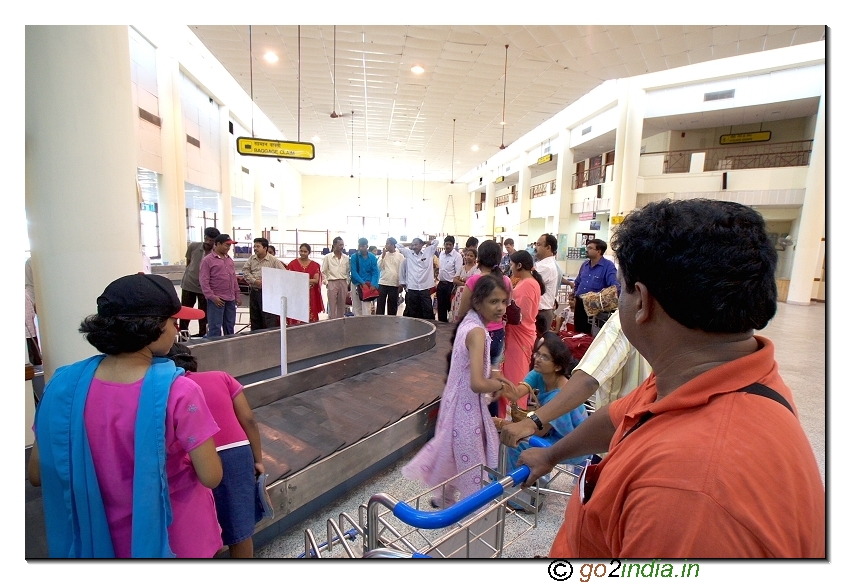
143 294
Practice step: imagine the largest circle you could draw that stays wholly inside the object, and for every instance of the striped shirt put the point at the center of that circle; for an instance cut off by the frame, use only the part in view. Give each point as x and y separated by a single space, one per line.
614 363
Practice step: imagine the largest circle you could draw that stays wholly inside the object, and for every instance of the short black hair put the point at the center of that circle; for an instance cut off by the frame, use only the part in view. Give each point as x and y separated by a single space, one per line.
182 357
551 242
508 241
490 254
392 240
472 250
122 334
599 244
448 239
709 263
211 232
223 238
472 242
362 241
336 240
262 241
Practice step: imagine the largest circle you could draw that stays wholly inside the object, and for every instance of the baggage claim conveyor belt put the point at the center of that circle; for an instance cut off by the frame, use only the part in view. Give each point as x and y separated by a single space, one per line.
361 393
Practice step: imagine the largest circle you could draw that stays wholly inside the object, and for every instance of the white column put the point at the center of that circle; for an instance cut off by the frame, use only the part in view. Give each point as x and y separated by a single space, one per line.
812 219
489 207
80 177
523 188
225 214
172 203
564 177
627 147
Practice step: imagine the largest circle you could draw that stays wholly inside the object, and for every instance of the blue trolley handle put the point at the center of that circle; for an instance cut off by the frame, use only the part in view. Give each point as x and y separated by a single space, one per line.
456 512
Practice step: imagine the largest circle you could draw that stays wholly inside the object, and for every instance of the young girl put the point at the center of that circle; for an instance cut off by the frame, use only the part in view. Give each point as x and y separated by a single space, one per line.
124 451
238 446
465 436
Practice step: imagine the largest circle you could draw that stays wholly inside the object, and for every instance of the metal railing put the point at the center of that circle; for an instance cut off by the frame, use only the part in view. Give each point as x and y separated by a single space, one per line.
479 207
544 189
591 176
777 155
503 199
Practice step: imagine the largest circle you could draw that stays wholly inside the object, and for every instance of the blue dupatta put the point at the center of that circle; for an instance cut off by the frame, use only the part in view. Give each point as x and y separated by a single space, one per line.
74 515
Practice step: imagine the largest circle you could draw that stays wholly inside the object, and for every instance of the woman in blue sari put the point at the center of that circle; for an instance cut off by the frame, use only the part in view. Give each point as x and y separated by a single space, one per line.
553 365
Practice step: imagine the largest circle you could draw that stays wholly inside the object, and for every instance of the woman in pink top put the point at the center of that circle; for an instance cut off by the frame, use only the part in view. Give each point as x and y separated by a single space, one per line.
133 427
238 445
519 338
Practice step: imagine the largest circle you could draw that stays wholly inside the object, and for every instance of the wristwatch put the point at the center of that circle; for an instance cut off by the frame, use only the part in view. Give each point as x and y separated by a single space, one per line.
533 416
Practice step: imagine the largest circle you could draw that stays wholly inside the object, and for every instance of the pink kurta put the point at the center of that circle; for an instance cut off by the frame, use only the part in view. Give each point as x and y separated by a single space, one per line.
465 435
519 338
110 418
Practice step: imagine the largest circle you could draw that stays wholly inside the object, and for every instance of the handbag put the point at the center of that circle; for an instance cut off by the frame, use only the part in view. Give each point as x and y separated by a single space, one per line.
366 292
602 301
513 314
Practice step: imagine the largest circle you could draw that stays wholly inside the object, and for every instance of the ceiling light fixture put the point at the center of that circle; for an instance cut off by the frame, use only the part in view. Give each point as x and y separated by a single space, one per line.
474 148
270 57
504 98
417 69
334 114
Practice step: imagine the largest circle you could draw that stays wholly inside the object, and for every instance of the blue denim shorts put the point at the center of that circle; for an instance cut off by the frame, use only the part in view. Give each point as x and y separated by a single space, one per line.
234 496
497 347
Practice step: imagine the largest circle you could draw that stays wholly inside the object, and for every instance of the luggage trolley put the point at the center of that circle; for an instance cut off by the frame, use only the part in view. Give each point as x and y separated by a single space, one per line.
481 525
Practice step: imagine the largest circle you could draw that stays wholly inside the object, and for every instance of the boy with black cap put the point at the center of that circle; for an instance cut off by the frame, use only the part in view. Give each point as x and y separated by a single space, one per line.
218 281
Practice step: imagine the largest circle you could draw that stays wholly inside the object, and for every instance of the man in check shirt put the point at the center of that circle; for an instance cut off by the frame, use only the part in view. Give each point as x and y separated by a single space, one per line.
336 271
253 274
218 282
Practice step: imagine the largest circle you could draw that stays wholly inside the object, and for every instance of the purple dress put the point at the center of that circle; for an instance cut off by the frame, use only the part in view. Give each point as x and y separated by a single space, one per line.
465 435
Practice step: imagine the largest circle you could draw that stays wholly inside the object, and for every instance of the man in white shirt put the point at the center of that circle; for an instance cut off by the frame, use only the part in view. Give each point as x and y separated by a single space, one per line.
420 278
451 263
336 271
389 264
547 246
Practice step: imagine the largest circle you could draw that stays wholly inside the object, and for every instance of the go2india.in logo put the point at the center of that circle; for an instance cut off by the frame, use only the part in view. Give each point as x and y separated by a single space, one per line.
561 570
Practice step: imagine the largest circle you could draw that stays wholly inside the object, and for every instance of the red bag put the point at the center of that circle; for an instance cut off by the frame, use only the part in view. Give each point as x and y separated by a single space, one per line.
366 292
577 342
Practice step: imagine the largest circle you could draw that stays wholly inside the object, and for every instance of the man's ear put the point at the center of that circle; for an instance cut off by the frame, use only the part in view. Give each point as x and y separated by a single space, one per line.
643 307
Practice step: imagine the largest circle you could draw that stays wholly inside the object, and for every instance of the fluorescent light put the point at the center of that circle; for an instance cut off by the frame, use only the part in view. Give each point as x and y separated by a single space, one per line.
417 69
270 57
316 138
474 148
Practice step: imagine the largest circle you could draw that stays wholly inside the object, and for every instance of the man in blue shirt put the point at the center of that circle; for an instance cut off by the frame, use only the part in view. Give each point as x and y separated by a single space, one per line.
595 274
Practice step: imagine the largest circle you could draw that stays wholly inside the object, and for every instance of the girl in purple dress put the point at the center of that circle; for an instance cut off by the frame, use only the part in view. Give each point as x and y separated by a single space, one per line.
465 435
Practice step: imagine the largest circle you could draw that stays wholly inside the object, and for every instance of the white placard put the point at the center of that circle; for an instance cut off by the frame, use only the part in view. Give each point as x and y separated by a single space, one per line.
294 286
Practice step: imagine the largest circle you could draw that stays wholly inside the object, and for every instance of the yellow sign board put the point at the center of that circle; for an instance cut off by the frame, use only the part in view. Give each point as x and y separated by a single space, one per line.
617 219
727 139
275 148
499 179
544 159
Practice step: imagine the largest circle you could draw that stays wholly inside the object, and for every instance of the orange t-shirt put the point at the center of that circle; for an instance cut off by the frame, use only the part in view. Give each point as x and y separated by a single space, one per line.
712 474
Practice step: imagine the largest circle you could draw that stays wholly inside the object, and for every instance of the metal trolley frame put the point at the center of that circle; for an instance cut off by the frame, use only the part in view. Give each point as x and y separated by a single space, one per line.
481 525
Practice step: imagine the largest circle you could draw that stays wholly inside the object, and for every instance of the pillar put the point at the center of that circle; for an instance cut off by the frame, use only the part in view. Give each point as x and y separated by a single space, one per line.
812 218
631 104
80 177
172 204
564 184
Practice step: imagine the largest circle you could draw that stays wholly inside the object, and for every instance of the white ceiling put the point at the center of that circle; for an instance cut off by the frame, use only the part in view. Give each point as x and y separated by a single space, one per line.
405 124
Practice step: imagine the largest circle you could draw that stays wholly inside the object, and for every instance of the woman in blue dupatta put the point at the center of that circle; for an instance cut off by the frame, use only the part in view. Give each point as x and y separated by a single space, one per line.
553 365
124 451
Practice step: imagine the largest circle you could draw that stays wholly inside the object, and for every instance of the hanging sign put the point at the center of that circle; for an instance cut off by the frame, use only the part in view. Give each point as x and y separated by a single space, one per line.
544 159
275 148
726 139
587 216
499 179
617 219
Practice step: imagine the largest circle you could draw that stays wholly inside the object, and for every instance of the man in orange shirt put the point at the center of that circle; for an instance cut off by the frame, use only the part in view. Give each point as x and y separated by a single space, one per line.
707 457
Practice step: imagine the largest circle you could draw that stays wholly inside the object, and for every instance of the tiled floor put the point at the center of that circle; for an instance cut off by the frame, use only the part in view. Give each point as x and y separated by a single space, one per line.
798 333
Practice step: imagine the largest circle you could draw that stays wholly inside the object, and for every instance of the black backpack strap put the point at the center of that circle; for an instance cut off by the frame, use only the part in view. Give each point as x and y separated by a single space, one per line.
767 392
